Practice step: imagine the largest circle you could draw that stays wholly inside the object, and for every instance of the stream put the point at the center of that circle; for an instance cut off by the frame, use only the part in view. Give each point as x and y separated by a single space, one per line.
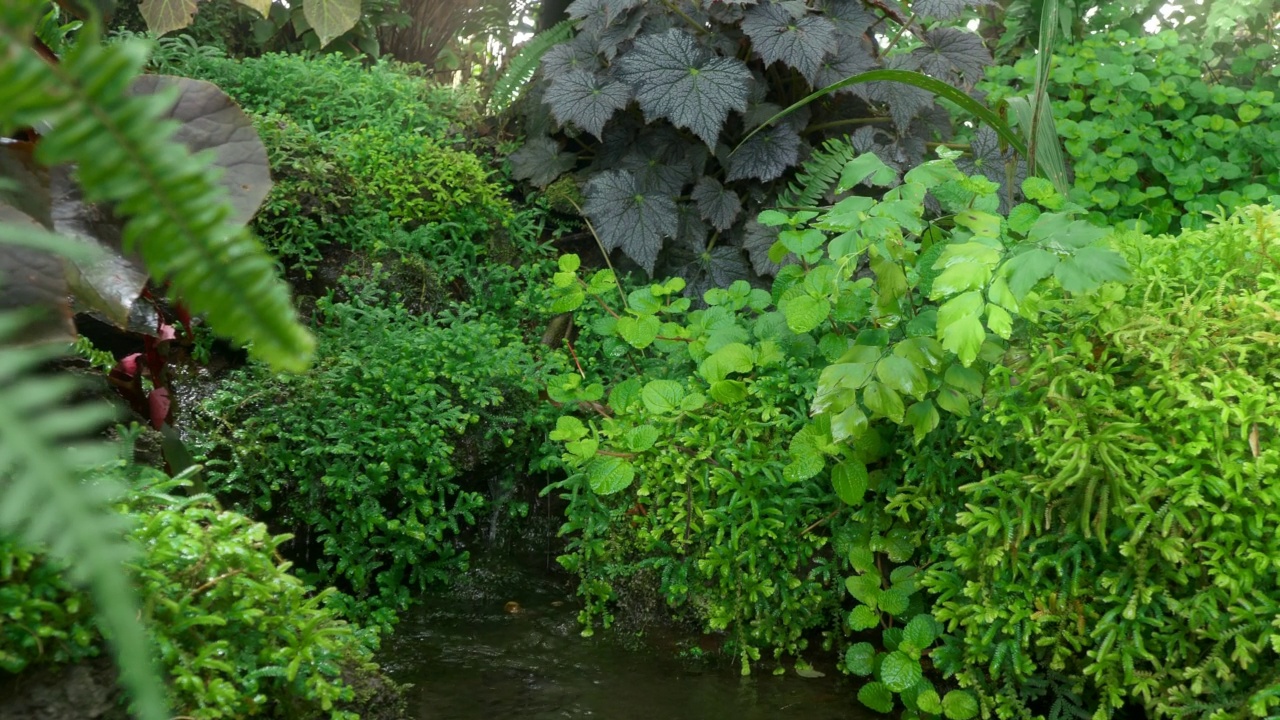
472 656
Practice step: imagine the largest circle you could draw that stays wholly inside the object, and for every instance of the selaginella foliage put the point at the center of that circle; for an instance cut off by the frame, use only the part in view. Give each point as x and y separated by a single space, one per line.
1120 546
886 322
238 635
1163 129
644 106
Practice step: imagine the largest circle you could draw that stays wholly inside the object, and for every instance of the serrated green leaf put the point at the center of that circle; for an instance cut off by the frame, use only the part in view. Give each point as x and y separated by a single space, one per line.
864 588
805 312
920 632
893 601
639 332
929 702
661 397
728 392
849 478
899 671
608 475
876 696
640 438
717 204
766 156
568 428
731 358
677 78
863 618
624 394
960 705
860 659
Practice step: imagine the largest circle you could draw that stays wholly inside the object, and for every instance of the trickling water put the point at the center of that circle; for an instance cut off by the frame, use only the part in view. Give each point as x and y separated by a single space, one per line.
470 658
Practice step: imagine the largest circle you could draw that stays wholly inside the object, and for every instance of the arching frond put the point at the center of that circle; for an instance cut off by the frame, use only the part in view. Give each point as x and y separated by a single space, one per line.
525 64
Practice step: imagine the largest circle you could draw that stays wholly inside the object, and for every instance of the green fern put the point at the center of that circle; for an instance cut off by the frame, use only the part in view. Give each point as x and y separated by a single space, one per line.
818 174
178 217
525 64
43 501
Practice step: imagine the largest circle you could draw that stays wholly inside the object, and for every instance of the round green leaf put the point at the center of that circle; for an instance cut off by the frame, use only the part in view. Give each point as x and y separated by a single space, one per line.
860 659
662 396
920 632
899 671
960 705
928 701
805 312
641 438
608 475
863 618
639 332
877 697
850 481
894 601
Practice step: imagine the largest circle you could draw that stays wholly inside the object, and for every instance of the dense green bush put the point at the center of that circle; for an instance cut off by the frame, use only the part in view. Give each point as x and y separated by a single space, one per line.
238 635
365 457
1120 547
679 477
1161 129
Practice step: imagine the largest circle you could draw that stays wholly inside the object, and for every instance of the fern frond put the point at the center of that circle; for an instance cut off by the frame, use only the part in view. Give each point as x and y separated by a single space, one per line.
43 501
525 64
179 219
818 174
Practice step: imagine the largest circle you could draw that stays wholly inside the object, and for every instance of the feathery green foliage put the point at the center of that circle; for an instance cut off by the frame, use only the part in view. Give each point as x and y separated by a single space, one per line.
818 175
525 63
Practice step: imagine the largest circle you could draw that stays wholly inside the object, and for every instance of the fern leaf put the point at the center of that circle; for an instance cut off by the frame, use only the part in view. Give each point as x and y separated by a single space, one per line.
43 502
818 174
525 64
178 217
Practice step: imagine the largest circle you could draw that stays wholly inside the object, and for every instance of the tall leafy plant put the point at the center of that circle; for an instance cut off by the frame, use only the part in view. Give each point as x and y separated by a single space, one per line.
642 107
180 222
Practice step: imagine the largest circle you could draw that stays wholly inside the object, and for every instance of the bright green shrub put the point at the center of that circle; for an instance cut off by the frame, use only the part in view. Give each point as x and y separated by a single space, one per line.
1121 546
1162 130
365 457
416 180
237 634
328 92
885 323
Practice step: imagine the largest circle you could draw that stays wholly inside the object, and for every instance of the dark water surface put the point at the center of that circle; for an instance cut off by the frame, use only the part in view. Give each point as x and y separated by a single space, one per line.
471 659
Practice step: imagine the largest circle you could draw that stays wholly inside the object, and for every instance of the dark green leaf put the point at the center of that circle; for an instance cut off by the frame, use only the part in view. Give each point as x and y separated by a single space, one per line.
860 659
629 219
776 35
767 155
953 55
960 705
944 9
717 204
586 100
899 671
676 78
877 697
920 632
540 161
850 481
608 475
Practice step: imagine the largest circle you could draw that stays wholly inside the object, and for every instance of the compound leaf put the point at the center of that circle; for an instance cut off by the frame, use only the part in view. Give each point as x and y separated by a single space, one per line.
540 161
766 155
677 79
586 100
800 42
630 219
717 204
